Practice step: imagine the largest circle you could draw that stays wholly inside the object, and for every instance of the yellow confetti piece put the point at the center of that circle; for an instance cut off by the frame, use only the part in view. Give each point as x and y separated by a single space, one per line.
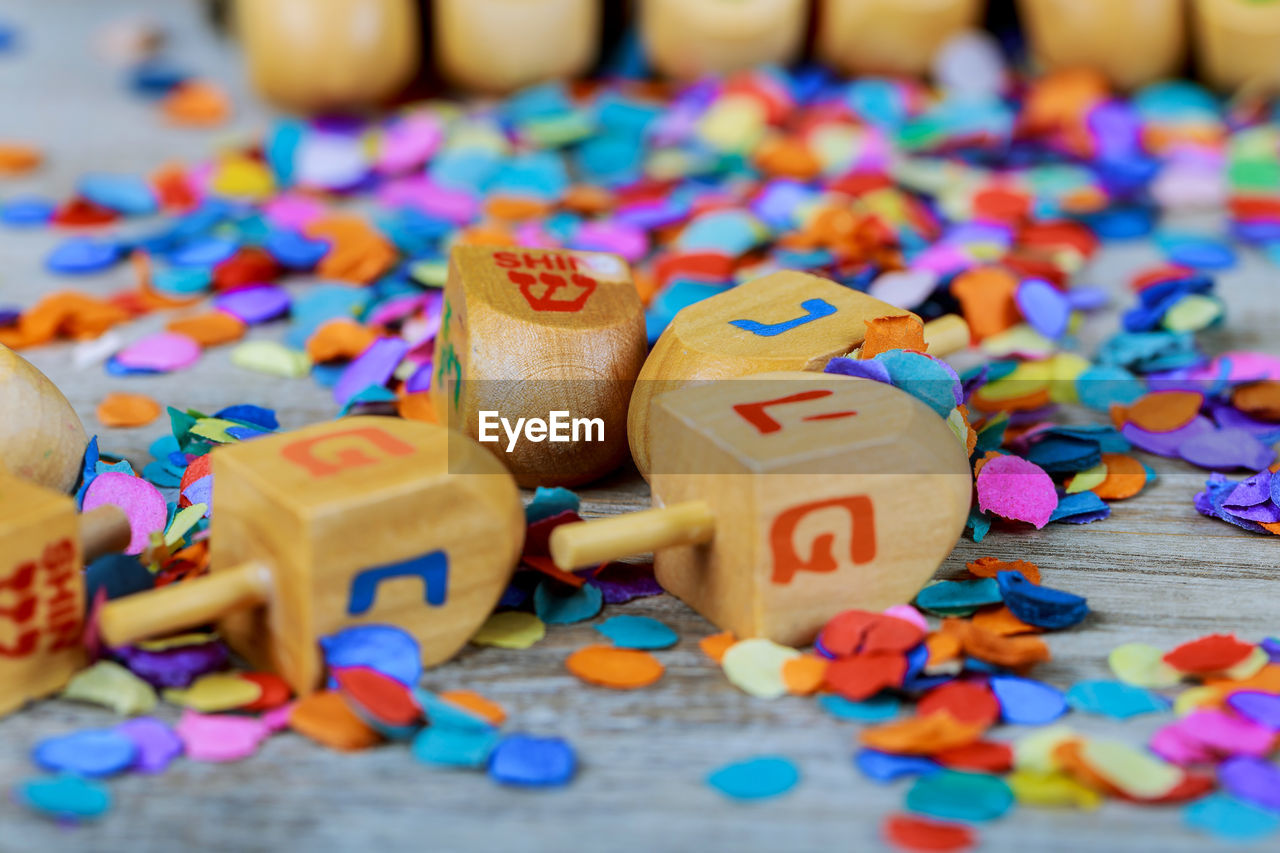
194 638
510 630
218 691
1019 339
755 666
214 429
733 123
430 273
1063 370
1034 753
1027 378
1137 773
1196 698
241 177
1141 665
272 358
109 684
185 519
958 425
1193 312
1051 790
1087 479
1250 666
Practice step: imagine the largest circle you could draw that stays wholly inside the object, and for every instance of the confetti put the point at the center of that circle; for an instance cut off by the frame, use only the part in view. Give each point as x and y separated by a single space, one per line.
556 606
384 648
1114 699
127 410
216 692
528 761
1024 701
140 501
91 752
455 747
757 778
326 718
637 632
755 667
1039 605
621 669
109 684
157 744
954 795
914 833
510 630
65 797
1016 489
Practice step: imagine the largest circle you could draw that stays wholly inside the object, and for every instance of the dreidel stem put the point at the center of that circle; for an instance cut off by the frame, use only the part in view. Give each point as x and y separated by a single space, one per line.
103 530
588 543
947 334
184 604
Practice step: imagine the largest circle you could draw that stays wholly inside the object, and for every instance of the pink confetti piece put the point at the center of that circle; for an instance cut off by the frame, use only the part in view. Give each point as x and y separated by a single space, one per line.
277 719
907 613
456 206
220 738
409 143
1224 734
1016 489
164 352
294 212
140 501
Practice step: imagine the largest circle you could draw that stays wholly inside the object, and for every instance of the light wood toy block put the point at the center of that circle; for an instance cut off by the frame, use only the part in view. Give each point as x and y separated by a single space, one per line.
324 55
527 332
782 321
41 438
687 40
364 520
1100 34
500 45
1238 44
785 498
889 36
43 547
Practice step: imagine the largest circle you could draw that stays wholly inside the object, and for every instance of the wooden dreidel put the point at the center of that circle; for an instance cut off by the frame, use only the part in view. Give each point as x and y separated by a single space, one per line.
784 498
1238 44
782 321
41 438
363 520
44 546
324 55
889 36
555 337
500 45
689 40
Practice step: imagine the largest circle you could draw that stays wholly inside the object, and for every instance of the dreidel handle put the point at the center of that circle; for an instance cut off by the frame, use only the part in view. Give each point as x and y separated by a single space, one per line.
103 530
947 334
184 604
587 543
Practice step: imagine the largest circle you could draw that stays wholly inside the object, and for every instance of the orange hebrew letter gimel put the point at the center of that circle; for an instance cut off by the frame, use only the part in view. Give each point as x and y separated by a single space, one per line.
550 291
330 454
857 522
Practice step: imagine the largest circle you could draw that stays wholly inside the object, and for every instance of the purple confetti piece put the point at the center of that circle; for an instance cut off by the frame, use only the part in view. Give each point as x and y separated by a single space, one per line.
1225 450
868 369
254 305
1271 646
1166 443
1253 491
1253 780
1087 298
175 667
157 743
1229 417
1262 708
374 367
620 238
1045 307
9 316
622 582
397 309
421 378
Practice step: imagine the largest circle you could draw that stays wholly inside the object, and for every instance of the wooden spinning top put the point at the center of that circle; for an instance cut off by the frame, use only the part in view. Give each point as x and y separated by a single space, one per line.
41 438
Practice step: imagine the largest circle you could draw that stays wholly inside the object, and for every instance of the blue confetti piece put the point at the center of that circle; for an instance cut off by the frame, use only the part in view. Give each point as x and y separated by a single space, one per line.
927 379
1039 605
82 255
565 608
1027 702
116 575
295 251
637 632
1114 699
532 761
27 211
732 232
1059 454
252 415
455 747
391 651
126 194
755 779
155 77
979 523
183 280
1228 819
886 767
204 252
872 710
91 752
958 598
548 502
1080 508
1190 250
441 713
952 795
65 797
161 475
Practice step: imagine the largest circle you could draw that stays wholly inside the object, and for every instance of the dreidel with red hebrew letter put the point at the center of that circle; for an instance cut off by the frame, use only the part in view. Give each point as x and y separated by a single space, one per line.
782 321
784 498
531 332
44 545
358 521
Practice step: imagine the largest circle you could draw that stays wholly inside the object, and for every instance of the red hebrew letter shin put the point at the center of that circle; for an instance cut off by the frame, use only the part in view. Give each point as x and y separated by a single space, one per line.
859 515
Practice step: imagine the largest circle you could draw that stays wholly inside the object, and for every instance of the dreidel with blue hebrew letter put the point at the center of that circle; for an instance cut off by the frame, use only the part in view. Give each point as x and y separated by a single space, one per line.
783 321
357 521
784 498
530 332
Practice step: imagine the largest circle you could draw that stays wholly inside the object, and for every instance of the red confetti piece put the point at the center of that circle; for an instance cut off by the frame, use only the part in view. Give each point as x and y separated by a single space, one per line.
967 701
1213 653
916 833
384 698
863 676
982 756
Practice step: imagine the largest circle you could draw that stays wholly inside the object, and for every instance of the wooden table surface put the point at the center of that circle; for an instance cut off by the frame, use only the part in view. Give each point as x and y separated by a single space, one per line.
1155 572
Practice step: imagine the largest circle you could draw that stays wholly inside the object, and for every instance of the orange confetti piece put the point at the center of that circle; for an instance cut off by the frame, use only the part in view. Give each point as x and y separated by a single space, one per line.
986 300
63 314
889 333
921 735
584 198
804 675
1265 680
417 407
716 645
1125 477
357 251
210 329
486 235
119 409
788 158
1165 411
999 620
340 339
196 103
17 159
480 706
620 669
989 567
942 648
515 208
1258 399
1012 652
326 718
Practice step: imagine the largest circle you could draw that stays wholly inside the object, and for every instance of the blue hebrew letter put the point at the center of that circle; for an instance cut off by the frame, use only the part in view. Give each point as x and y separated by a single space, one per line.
433 568
815 309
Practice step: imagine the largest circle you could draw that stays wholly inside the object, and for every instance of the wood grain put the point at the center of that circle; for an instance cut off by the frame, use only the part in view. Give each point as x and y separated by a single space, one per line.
1154 572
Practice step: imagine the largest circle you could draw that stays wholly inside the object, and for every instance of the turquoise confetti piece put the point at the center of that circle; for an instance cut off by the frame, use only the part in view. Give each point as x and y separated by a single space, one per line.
959 598
557 608
455 747
638 632
1226 818
65 797
872 710
952 795
755 779
1114 699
